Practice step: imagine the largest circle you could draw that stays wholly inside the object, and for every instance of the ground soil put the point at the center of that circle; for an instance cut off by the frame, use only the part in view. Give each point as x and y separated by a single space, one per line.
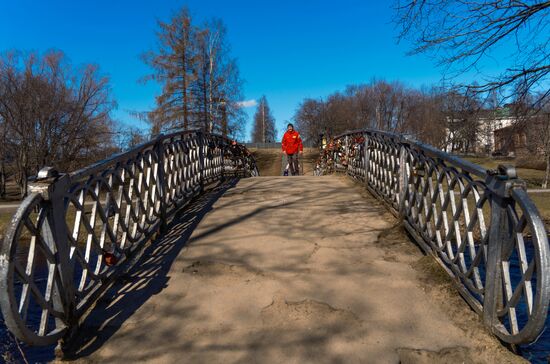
269 161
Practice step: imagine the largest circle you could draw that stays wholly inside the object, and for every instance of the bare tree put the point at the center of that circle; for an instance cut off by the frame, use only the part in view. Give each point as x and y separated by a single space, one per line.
460 33
539 137
461 112
310 119
52 114
377 105
218 86
3 156
128 137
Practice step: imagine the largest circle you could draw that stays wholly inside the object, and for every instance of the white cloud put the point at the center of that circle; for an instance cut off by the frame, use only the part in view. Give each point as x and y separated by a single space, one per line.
247 103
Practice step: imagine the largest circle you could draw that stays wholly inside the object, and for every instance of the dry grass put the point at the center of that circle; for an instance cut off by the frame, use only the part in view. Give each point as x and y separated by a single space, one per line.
12 192
533 177
4 221
542 200
269 161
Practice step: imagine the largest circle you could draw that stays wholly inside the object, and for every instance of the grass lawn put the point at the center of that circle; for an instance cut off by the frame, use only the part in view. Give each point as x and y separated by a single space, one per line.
4 221
533 177
542 200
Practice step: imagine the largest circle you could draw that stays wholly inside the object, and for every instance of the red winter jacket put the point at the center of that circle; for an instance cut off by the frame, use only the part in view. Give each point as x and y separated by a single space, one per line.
292 143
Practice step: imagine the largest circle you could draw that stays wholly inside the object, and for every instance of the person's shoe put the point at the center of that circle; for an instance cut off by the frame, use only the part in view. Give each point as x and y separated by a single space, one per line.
285 173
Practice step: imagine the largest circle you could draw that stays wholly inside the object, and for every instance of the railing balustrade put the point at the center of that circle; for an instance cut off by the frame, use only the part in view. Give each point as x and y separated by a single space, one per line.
480 225
74 233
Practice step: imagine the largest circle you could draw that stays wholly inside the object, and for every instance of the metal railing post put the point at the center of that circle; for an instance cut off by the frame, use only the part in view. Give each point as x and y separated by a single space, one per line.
52 186
222 152
367 159
499 183
346 153
200 138
403 179
161 181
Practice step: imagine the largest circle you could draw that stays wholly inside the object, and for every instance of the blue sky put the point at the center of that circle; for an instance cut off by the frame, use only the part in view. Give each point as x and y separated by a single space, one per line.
286 50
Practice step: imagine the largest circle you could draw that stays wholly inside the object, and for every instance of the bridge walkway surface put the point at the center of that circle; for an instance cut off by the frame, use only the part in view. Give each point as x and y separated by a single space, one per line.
293 270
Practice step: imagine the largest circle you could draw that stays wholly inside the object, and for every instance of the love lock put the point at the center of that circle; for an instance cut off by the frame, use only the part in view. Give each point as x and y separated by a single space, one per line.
111 259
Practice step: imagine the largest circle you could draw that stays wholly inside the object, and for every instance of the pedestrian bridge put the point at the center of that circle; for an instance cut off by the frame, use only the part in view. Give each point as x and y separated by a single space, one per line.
178 250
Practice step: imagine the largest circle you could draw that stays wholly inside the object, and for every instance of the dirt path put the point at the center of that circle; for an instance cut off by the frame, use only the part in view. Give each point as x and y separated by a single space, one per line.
287 270
269 161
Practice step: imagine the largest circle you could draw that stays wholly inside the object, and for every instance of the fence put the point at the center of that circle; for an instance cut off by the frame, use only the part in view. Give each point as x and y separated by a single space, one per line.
76 232
480 225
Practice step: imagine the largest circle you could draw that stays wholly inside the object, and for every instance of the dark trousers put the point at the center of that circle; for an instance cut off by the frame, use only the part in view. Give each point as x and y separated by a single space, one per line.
293 165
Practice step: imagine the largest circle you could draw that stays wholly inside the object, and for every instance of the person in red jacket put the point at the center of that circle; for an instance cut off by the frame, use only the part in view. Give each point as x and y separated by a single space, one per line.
292 146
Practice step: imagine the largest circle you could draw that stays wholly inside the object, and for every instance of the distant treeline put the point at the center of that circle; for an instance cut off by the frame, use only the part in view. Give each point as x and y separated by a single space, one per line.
51 114
444 117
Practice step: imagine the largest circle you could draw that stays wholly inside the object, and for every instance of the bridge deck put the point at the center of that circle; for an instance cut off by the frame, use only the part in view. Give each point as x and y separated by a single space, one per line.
305 269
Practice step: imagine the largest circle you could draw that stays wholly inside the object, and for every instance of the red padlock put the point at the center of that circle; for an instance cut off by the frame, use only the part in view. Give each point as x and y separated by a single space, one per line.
110 259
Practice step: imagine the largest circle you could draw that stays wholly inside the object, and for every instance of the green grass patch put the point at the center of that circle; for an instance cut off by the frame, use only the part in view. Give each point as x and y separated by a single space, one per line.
542 200
5 218
533 177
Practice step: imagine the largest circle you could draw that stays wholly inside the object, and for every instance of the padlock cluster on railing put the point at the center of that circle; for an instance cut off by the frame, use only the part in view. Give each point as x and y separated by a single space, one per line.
480 225
76 232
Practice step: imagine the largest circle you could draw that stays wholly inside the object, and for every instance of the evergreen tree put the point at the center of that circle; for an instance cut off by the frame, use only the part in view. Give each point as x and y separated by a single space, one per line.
263 130
201 85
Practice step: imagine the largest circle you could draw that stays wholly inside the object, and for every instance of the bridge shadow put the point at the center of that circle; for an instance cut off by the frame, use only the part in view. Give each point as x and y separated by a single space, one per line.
148 277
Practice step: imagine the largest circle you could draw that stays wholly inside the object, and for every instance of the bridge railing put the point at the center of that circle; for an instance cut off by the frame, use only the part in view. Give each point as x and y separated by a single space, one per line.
76 232
479 224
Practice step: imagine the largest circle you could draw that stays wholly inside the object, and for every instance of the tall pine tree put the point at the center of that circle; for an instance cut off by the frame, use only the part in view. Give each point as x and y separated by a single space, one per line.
201 85
173 64
263 130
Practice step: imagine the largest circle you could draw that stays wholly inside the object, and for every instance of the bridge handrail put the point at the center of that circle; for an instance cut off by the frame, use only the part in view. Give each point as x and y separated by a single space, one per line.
480 225
76 232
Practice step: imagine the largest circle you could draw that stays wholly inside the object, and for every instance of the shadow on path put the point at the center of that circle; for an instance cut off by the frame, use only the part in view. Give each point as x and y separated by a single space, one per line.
148 277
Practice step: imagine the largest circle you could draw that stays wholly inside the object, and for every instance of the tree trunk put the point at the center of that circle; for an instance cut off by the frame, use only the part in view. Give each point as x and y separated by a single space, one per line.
23 183
547 173
185 111
210 91
224 120
2 179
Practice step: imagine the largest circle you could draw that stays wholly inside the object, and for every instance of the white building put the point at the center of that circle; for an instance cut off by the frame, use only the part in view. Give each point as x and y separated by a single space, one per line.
480 140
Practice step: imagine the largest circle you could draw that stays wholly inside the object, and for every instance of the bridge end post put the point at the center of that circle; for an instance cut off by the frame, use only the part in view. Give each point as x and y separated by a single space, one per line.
499 183
52 186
